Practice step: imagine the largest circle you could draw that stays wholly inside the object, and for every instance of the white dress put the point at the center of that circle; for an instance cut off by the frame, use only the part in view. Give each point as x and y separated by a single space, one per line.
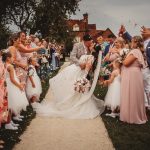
63 101
112 99
17 100
30 91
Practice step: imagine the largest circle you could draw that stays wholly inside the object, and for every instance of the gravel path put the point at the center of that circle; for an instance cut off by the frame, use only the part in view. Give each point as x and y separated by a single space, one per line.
61 134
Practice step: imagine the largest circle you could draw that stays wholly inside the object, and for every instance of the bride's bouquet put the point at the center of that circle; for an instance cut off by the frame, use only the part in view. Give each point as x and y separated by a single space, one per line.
82 85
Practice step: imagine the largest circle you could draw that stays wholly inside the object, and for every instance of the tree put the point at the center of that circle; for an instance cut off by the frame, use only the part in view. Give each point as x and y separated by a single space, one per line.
21 13
51 16
47 16
4 36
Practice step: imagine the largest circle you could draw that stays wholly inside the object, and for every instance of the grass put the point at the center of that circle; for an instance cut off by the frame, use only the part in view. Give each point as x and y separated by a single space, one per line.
125 136
13 137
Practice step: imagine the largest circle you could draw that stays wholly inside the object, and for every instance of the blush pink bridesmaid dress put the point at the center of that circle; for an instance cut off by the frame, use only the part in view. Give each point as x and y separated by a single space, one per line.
132 108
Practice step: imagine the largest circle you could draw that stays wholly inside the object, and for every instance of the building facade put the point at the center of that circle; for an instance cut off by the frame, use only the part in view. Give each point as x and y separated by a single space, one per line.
81 27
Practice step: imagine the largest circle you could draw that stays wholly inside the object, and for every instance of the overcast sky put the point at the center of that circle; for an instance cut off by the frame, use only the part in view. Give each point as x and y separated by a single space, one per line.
113 13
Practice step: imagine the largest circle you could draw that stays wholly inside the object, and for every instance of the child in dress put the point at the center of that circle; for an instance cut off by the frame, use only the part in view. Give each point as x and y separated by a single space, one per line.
112 99
33 86
5 114
17 100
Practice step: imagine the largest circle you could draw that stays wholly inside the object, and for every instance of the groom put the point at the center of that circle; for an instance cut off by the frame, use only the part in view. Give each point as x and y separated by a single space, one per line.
80 49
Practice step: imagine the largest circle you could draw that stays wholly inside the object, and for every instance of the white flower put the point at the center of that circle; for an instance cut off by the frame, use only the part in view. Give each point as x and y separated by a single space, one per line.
124 51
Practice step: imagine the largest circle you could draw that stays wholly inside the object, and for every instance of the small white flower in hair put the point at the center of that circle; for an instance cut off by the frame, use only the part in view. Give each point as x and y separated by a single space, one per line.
5 50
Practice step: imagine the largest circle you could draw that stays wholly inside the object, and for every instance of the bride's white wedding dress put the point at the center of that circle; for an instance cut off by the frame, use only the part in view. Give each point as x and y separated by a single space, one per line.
63 101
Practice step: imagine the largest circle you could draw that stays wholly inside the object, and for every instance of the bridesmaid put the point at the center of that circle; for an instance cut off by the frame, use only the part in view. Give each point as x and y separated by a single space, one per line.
132 109
16 48
3 102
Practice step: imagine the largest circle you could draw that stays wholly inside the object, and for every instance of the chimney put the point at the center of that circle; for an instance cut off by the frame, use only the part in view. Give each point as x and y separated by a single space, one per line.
85 17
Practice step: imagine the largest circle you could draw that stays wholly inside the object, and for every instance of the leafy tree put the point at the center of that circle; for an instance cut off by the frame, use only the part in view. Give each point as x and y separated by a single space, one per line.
4 36
51 16
21 13
47 16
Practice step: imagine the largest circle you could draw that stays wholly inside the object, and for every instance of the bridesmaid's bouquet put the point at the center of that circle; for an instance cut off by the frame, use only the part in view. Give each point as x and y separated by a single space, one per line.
82 85
104 73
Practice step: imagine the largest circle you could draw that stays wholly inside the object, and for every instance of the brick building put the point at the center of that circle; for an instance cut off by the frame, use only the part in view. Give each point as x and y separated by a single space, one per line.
80 27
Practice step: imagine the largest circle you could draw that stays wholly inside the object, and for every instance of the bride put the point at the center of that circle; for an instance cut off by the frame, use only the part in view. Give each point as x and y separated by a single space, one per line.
63 101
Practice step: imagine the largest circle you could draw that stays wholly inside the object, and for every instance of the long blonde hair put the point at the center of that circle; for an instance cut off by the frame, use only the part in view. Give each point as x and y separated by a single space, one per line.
121 41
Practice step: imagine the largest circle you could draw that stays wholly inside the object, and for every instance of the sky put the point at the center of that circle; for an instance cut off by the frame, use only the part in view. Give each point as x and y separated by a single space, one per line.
112 13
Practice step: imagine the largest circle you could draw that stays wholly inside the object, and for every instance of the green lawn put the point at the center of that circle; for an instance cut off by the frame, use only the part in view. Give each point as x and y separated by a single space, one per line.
125 136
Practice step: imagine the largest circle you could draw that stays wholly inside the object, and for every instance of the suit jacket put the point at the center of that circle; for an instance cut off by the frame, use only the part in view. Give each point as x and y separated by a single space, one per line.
127 36
106 50
148 54
78 50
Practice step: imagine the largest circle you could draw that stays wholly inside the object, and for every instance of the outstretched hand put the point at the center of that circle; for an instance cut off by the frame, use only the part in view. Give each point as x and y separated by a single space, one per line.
122 29
82 66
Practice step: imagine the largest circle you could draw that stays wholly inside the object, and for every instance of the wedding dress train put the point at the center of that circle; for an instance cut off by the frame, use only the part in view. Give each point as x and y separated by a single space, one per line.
63 101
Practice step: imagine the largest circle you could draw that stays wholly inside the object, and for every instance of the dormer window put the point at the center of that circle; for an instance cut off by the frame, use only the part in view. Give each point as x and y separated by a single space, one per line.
76 27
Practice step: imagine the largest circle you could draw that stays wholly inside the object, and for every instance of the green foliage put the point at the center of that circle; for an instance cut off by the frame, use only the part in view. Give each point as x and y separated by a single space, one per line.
21 13
4 35
51 16
47 16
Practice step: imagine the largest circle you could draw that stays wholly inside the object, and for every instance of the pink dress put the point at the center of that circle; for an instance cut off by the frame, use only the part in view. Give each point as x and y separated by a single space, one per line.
113 56
21 73
2 74
132 108
3 92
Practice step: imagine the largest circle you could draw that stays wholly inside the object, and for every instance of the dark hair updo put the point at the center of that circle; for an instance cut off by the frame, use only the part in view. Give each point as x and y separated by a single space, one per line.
6 55
97 48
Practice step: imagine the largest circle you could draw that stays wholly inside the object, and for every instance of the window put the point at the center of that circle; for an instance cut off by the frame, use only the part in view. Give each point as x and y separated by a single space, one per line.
77 39
76 27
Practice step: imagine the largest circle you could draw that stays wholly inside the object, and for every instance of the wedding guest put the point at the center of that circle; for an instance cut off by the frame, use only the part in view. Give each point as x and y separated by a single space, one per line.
3 93
33 44
53 54
114 52
132 108
15 49
33 87
125 34
5 114
28 42
102 43
111 39
17 100
146 31
62 51
146 70
112 99
1 144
